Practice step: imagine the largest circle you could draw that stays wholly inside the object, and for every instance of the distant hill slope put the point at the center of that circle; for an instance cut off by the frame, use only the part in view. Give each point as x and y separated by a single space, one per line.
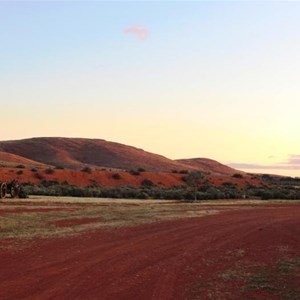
75 153
8 159
208 165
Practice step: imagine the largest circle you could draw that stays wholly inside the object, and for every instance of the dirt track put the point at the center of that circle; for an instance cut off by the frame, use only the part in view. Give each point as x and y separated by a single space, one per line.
183 259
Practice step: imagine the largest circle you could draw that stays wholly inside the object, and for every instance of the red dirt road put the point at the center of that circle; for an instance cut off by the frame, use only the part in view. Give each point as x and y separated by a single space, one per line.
180 259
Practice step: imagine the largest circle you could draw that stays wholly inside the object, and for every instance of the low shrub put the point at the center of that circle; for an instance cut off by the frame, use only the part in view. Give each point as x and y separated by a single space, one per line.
116 176
229 184
20 166
134 172
59 168
47 183
39 176
23 194
150 191
87 170
49 171
237 175
147 183
184 172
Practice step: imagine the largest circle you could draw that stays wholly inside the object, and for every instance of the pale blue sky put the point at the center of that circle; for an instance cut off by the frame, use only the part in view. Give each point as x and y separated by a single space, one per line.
212 79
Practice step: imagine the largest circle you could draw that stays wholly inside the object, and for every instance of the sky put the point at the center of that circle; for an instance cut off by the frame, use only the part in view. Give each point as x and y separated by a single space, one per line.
215 79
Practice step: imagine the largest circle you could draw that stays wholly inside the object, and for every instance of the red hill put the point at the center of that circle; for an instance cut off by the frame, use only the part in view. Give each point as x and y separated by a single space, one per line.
12 160
75 153
208 165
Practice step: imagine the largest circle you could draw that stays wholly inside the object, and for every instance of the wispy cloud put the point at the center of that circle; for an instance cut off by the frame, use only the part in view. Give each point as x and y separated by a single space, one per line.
141 33
294 159
292 163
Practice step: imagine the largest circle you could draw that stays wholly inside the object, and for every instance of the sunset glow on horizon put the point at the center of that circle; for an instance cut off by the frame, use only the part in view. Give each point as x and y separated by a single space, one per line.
182 79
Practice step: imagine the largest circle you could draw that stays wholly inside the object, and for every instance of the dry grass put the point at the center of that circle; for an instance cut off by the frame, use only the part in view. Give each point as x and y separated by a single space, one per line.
75 200
22 219
41 216
278 279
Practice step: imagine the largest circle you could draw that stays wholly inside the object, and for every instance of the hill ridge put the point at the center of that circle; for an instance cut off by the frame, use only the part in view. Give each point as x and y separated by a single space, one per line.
75 153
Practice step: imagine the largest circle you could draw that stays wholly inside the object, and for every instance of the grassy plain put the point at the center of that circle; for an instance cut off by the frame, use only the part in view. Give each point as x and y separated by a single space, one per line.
42 216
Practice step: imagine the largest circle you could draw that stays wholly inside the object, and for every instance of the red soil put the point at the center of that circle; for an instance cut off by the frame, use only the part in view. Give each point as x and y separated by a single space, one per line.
168 260
104 178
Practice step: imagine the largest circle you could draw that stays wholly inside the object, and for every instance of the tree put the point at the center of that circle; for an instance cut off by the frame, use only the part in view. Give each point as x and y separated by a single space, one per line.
195 179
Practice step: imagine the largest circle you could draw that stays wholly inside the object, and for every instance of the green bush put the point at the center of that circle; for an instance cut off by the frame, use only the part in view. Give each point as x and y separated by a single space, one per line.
49 171
134 172
116 176
229 184
87 170
39 176
23 194
184 172
59 168
20 166
48 183
149 191
237 175
147 183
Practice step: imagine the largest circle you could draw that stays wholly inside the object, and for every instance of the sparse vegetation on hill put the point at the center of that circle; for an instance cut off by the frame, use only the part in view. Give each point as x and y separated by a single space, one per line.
73 153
